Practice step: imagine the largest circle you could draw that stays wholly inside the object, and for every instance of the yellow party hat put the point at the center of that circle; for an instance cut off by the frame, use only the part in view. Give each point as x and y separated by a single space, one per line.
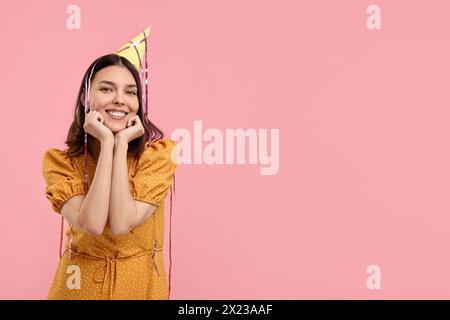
134 50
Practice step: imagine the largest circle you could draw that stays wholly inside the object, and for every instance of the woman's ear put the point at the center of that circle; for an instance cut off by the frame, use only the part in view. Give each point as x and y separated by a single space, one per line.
82 98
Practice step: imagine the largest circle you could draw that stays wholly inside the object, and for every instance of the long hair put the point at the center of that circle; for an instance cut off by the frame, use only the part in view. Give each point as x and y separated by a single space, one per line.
75 136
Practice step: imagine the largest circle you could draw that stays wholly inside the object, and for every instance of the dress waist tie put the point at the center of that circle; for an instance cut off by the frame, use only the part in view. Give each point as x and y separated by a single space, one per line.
109 264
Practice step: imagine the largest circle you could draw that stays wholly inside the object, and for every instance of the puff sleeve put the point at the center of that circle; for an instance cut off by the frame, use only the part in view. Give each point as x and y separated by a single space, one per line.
154 172
62 179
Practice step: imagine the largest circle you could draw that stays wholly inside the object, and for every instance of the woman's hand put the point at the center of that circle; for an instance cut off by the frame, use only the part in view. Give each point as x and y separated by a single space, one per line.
93 124
134 130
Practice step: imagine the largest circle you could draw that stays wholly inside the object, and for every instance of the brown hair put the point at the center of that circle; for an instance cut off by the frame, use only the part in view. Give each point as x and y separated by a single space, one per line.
75 136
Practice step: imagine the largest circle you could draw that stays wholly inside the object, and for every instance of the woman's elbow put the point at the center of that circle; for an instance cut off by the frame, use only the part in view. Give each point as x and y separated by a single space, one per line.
93 231
90 228
119 230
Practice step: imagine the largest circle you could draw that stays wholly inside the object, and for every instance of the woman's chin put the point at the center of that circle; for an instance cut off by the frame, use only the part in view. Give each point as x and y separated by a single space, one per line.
116 127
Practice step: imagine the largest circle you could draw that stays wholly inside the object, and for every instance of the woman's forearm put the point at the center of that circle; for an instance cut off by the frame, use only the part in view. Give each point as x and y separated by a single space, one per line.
122 207
95 207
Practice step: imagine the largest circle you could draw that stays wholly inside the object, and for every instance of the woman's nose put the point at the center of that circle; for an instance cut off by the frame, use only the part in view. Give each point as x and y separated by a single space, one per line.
119 98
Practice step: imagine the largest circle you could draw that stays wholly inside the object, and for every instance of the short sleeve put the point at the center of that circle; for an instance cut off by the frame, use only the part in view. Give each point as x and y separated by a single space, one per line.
62 179
154 172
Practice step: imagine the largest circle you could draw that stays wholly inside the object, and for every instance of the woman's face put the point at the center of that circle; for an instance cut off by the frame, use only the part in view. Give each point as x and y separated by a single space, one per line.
113 89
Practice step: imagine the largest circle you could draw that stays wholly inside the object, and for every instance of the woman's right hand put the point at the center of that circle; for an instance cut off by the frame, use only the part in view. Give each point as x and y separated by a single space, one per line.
93 124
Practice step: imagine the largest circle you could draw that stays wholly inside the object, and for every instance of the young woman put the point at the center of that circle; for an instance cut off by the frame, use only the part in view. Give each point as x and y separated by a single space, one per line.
116 219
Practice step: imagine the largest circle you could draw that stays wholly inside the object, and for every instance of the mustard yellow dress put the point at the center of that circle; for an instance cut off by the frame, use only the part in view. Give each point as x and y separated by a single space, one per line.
104 267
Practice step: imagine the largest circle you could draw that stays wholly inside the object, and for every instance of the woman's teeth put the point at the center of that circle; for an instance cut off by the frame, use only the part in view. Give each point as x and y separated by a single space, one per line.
116 114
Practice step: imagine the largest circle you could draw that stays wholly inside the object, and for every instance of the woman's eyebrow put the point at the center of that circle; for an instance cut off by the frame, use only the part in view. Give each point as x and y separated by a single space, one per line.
113 84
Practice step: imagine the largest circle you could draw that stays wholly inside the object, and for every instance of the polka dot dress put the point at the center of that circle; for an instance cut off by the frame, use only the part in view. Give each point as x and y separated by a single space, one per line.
104 267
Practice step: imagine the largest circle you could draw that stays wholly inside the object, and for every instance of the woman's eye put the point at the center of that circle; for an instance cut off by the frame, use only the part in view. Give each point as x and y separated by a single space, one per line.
108 89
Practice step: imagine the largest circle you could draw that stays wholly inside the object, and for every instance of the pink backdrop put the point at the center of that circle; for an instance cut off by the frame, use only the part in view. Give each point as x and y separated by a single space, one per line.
364 166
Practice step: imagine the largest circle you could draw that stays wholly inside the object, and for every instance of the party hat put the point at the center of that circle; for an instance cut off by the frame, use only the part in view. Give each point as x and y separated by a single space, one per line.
134 49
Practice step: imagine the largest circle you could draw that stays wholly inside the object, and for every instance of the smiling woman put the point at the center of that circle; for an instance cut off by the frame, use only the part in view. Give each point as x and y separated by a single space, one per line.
115 210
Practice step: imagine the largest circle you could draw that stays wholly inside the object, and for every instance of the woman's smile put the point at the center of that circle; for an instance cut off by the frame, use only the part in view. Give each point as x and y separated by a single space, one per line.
116 116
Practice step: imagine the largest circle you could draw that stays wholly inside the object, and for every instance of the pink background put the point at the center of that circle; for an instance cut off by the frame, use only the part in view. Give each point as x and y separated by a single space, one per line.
364 158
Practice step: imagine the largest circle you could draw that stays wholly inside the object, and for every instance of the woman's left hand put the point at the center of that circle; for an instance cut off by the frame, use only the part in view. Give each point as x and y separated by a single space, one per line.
133 130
